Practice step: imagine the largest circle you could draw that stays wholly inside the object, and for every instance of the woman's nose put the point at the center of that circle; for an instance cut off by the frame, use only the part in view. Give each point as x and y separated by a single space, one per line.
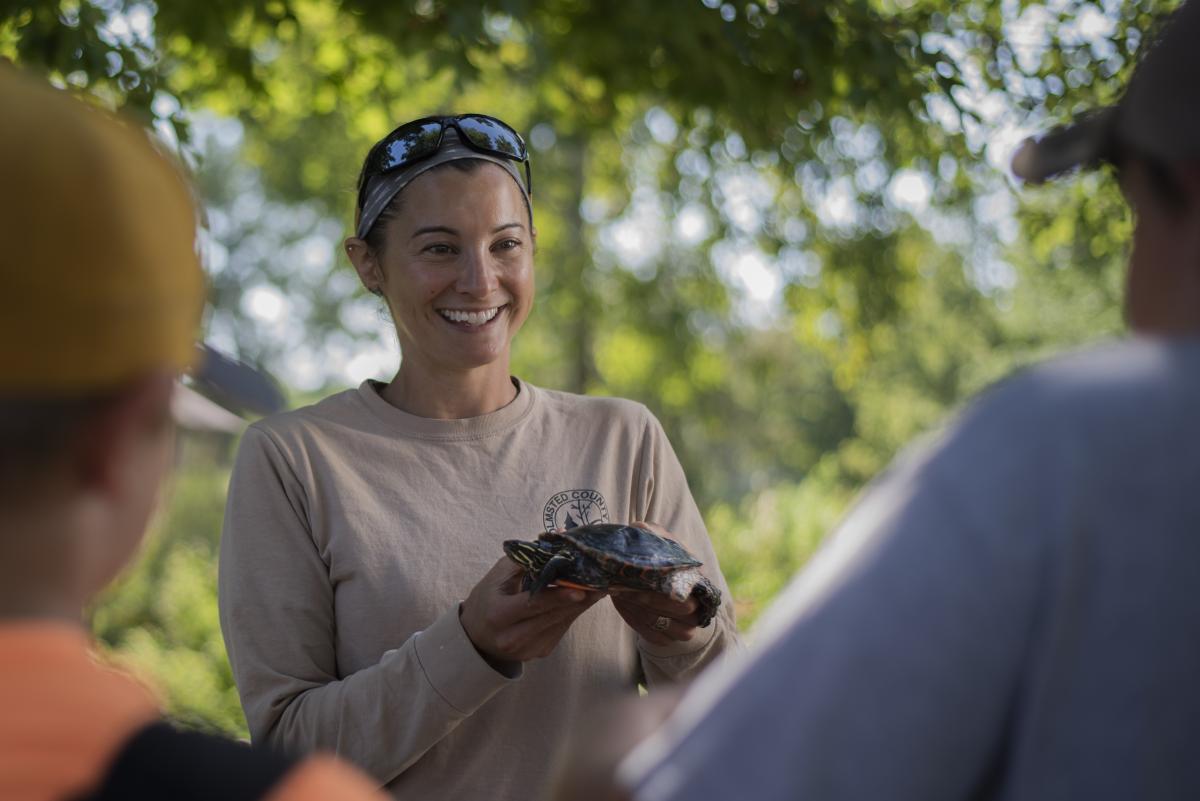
478 276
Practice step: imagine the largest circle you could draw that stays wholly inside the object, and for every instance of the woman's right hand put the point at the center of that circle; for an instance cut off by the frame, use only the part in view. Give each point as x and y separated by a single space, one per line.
506 625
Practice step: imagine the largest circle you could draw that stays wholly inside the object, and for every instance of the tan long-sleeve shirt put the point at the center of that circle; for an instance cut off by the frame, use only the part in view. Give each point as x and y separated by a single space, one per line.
351 534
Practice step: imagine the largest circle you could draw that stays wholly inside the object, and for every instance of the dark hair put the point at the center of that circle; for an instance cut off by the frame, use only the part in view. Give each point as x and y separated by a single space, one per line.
374 237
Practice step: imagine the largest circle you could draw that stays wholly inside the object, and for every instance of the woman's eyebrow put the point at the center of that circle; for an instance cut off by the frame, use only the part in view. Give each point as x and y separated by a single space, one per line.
445 229
434 229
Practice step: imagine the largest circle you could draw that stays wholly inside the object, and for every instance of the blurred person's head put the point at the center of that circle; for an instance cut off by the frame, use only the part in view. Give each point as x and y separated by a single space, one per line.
1152 138
444 234
100 298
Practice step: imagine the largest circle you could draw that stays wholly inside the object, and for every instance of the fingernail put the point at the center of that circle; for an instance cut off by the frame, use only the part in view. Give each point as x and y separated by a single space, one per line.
576 596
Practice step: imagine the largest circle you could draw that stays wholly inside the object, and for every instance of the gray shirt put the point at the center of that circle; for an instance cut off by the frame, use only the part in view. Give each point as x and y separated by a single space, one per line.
1013 612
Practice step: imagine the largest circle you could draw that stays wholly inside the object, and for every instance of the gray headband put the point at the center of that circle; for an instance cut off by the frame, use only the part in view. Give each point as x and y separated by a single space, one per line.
382 188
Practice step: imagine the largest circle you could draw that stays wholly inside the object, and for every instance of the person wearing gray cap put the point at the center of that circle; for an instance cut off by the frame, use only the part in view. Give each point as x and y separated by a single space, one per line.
365 597
1012 610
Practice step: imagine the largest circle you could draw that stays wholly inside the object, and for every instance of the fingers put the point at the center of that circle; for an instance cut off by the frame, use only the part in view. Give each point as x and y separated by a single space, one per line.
657 626
507 625
553 624
505 575
658 604
644 627
548 601
536 637
507 609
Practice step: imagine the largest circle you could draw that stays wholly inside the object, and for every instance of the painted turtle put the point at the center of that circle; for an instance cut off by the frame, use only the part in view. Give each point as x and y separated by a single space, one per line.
605 555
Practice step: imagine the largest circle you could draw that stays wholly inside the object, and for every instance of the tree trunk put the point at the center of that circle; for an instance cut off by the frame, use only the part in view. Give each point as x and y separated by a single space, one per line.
575 270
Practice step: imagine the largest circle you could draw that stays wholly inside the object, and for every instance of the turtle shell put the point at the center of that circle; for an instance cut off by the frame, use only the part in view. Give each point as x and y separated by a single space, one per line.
626 547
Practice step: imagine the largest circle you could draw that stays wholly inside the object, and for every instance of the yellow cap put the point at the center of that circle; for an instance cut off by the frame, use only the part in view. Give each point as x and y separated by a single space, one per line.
99 277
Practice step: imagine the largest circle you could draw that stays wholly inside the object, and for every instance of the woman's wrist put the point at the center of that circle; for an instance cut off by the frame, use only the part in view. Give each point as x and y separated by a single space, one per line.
505 667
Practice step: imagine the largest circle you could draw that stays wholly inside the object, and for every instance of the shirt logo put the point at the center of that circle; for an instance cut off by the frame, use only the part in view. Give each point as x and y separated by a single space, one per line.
572 508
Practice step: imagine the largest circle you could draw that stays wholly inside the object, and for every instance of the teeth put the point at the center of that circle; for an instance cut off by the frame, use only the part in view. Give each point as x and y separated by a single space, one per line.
469 317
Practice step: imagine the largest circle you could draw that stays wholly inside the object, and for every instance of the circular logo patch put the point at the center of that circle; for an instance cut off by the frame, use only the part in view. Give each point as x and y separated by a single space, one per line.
572 508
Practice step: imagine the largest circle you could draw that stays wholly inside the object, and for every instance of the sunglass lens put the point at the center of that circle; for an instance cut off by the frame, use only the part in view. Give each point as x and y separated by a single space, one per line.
492 135
409 144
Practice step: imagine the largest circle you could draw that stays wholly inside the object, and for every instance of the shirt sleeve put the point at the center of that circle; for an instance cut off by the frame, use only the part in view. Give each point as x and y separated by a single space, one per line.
890 667
277 616
665 499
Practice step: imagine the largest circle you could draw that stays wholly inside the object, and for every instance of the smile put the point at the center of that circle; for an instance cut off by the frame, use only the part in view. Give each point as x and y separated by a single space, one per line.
480 317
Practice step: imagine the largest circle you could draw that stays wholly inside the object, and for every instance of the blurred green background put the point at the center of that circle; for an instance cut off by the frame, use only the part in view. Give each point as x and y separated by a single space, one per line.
786 227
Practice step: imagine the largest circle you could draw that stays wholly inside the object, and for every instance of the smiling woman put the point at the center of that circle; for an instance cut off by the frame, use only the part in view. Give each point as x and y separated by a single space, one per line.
365 599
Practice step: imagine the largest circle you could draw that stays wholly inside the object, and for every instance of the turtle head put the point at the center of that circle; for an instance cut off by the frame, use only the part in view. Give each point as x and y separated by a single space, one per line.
532 556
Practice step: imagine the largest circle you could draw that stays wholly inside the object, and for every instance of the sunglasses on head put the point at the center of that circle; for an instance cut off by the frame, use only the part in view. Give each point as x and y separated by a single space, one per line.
422 138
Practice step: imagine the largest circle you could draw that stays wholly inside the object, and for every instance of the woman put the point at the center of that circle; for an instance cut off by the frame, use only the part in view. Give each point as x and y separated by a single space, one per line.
365 599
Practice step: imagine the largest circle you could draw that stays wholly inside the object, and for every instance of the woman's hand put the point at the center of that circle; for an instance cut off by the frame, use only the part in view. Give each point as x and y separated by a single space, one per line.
508 626
657 618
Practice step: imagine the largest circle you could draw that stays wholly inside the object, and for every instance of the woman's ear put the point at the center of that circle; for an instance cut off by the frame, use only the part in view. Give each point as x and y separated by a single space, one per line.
365 264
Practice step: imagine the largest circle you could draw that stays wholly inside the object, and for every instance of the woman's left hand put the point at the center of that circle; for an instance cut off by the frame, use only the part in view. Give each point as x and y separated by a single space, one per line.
657 618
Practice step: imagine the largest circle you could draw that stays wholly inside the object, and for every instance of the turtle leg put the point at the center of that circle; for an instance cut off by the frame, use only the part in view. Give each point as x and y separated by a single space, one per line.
557 566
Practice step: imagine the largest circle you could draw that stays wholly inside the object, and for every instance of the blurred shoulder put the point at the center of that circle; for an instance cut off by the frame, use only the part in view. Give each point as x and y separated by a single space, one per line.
1123 399
1133 376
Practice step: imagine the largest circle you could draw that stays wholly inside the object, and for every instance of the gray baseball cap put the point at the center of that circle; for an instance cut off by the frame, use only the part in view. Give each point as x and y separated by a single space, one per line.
1157 118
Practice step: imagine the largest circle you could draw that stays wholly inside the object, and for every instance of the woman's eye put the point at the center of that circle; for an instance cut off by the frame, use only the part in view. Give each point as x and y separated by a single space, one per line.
508 244
438 249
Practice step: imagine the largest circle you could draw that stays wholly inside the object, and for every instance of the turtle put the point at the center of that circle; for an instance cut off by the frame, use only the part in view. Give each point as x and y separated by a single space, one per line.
604 555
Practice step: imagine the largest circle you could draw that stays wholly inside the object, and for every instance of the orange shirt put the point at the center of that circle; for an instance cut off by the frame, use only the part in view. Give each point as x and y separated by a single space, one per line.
64 716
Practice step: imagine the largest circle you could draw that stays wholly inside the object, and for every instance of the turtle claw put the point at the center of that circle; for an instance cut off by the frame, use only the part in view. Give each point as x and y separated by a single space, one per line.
557 565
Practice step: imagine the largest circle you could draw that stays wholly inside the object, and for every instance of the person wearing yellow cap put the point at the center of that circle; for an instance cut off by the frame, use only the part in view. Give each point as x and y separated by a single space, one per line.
100 300
1013 610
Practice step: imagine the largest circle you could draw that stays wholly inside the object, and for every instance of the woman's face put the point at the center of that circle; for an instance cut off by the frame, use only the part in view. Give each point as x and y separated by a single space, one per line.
456 268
